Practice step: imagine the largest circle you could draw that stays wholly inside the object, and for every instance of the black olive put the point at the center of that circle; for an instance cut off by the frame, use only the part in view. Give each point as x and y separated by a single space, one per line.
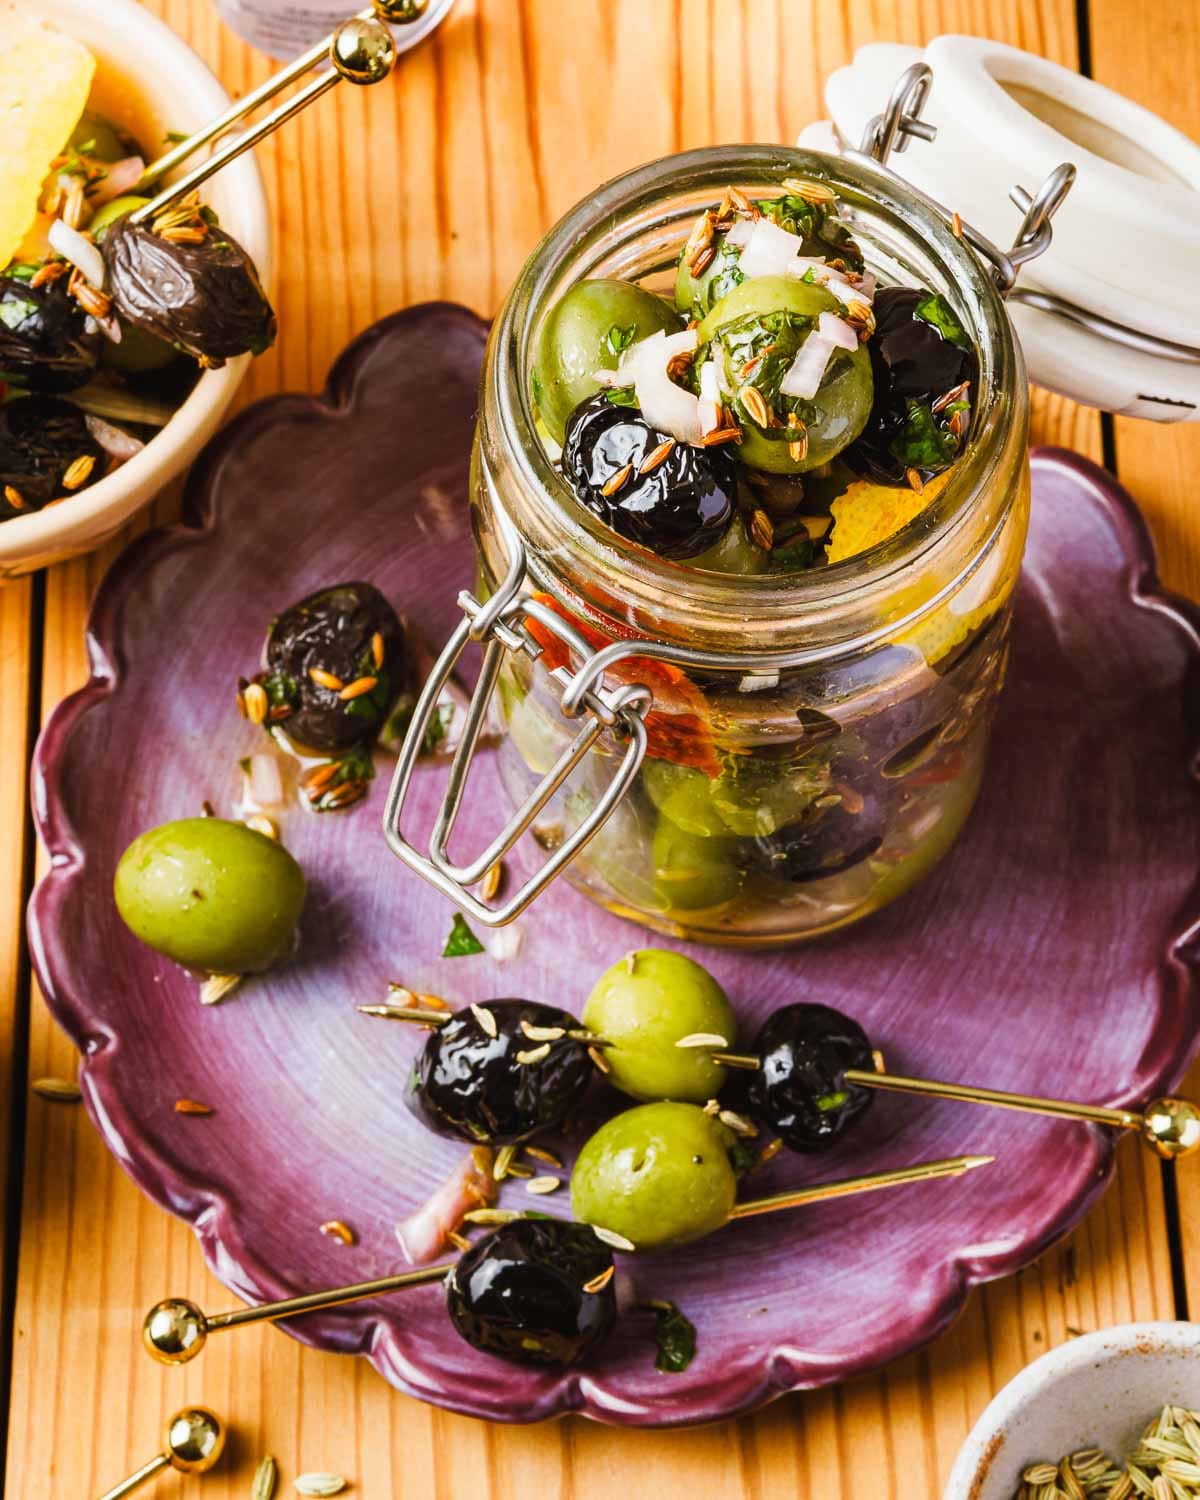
40 438
799 1089
45 336
919 353
681 508
204 298
468 1083
334 632
825 841
520 1293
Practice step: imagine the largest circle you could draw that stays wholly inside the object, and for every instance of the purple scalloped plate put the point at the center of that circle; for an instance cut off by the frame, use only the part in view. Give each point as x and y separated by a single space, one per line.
1051 952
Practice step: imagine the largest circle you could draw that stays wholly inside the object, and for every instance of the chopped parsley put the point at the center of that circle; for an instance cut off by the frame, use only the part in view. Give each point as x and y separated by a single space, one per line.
935 310
461 942
619 339
921 443
827 1102
438 727
623 396
675 1336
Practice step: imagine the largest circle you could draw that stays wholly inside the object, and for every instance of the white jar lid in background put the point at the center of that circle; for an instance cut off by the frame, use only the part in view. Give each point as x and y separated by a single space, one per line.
1126 241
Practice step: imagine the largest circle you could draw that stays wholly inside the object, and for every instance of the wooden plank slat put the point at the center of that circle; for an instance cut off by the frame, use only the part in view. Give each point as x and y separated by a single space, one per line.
441 188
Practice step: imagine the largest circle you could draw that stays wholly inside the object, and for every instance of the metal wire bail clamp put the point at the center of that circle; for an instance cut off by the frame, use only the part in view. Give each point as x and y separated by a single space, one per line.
499 626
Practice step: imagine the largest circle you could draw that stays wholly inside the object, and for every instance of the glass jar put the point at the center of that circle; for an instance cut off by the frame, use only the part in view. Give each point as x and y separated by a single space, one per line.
816 740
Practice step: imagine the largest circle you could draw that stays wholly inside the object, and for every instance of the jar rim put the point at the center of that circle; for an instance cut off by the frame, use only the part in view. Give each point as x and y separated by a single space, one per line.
562 532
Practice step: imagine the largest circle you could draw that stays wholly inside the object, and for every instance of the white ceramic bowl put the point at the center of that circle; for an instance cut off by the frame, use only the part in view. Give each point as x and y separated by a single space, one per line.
179 93
1100 1389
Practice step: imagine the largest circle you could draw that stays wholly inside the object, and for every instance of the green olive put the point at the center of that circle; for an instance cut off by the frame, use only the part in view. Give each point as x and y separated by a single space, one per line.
587 330
692 872
643 1006
658 1175
776 314
695 296
736 552
752 796
137 351
101 137
211 894
116 209
683 795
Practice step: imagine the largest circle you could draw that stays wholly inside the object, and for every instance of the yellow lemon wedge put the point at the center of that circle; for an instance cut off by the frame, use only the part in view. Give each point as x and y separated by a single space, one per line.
867 514
45 77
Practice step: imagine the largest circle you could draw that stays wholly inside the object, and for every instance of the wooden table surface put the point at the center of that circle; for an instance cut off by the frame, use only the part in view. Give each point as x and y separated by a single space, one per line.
438 185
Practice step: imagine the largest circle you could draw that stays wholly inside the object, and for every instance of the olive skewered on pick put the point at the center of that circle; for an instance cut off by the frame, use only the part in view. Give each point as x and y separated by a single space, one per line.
815 1070
533 1291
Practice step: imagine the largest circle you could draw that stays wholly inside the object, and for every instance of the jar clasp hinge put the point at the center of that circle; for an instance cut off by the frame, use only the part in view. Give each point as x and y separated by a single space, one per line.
500 625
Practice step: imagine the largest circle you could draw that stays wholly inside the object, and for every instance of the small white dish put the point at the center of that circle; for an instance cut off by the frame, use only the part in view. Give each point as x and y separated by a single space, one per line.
1098 1390
179 93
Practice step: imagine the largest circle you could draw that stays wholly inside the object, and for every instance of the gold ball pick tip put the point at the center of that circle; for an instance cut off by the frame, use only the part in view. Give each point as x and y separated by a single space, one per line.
362 51
174 1331
400 12
195 1440
1171 1127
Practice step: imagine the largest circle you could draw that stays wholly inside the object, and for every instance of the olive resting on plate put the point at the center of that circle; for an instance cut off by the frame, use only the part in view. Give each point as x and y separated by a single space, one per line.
46 452
46 338
536 1291
798 1089
211 894
658 1175
333 666
643 1006
201 294
471 1084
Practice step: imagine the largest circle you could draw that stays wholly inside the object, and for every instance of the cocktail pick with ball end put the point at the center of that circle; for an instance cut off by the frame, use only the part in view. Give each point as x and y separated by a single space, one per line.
361 50
815 1071
534 1290
193 1441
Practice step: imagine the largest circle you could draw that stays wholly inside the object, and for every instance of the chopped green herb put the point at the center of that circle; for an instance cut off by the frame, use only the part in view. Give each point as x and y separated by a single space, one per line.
15 310
623 396
922 443
282 689
826 1102
175 137
619 339
439 724
675 1336
535 387
743 1157
934 309
21 270
462 942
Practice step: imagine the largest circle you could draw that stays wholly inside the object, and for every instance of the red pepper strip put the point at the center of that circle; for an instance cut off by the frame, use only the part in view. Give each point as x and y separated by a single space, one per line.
678 727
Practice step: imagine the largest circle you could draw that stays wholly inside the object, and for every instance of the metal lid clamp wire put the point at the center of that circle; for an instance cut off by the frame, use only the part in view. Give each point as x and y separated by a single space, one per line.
500 625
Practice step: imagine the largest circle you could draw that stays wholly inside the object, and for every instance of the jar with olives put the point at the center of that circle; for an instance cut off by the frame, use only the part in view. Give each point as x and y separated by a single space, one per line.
751 472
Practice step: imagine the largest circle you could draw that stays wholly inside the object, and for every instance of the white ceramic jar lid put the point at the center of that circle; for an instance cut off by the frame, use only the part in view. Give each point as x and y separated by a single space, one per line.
1126 240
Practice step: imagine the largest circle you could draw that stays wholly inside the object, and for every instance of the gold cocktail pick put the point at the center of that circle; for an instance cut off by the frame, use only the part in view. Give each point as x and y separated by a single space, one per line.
194 1440
1170 1126
361 50
176 1330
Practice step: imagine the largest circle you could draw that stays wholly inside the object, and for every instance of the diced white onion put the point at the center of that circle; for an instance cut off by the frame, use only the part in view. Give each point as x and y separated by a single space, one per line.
664 404
846 292
839 333
807 370
79 250
770 250
264 785
115 442
739 234
506 942
710 381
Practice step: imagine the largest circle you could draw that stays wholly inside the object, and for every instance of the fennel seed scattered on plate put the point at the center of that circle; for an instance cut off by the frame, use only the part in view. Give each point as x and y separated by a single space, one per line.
1165 1465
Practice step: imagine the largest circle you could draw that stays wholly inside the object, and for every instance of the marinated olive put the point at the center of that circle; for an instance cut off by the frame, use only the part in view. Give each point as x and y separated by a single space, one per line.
752 796
822 233
693 872
536 1291
736 552
643 1006
658 1175
680 508
920 356
41 439
211 894
799 1089
826 841
96 136
107 215
45 336
342 637
588 330
471 1084
203 297
762 326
